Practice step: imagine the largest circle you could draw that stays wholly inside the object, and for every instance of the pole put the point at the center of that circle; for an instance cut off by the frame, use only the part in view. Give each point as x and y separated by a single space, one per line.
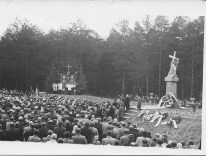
123 75
193 53
147 77
147 85
160 62
182 86
67 51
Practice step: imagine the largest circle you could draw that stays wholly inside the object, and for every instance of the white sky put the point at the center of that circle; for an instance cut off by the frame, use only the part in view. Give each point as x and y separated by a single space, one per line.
100 16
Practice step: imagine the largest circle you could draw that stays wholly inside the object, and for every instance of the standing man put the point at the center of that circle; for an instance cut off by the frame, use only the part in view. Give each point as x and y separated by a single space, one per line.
140 92
139 103
54 86
109 139
12 134
78 138
127 102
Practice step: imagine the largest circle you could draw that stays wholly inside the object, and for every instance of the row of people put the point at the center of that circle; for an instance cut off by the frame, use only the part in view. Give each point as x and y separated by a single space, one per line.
91 132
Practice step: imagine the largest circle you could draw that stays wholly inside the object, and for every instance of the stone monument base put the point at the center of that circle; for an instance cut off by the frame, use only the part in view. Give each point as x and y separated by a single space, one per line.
171 84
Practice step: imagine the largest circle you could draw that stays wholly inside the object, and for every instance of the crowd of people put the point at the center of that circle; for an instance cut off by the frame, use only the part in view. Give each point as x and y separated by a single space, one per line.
56 119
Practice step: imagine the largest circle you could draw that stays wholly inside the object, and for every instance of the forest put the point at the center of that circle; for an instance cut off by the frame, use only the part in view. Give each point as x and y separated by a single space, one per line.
128 60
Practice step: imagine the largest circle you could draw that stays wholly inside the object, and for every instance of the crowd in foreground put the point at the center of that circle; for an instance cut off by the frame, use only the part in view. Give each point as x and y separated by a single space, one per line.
54 119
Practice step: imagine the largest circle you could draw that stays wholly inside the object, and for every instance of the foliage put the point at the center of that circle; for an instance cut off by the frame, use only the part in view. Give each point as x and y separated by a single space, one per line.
29 57
81 81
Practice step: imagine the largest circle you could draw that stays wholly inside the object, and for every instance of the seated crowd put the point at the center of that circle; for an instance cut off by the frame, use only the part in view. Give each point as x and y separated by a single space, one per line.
52 119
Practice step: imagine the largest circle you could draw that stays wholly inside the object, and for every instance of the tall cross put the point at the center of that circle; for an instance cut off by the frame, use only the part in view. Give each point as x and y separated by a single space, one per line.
174 56
68 68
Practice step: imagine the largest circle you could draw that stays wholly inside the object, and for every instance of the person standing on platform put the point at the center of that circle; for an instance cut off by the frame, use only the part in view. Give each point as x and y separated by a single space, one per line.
127 102
140 92
121 112
139 103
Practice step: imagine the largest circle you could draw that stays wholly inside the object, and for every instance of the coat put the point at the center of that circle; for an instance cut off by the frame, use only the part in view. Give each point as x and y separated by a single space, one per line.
2 136
48 138
124 140
121 112
43 132
60 132
12 134
28 132
79 139
34 139
104 127
120 132
108 140
99 129
68 141
87 132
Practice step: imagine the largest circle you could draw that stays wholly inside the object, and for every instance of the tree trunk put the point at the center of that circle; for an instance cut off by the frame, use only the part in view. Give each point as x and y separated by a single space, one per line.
192 79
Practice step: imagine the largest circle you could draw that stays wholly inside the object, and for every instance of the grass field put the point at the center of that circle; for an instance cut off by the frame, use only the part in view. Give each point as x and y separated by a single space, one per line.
188 129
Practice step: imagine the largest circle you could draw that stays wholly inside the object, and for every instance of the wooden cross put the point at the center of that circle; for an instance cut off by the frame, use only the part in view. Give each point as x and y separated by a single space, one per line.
68 68
174 56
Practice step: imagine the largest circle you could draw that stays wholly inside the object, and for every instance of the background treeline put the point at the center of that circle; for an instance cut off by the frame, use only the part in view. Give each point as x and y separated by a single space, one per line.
30 57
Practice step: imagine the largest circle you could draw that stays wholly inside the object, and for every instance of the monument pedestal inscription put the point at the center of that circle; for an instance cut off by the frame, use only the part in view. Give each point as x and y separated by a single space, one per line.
171 84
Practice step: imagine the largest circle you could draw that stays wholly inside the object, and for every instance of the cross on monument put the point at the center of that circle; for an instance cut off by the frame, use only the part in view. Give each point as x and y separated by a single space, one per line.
68 68
174 56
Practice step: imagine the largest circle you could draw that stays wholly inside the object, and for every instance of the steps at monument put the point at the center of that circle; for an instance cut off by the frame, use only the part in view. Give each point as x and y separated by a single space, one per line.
131 112
134 111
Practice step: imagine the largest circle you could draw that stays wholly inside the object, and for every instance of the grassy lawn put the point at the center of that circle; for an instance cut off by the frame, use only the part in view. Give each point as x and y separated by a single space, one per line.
188 129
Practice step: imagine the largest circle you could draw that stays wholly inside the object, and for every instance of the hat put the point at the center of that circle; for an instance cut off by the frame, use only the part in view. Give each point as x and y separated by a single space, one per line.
179 145
80 122
123 123
50 120
141 129
20 118
54 136
95 121
169 142
31 123
158 136
115 120
131 126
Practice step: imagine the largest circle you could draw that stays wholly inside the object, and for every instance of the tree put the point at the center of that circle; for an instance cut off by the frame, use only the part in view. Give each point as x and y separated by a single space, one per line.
52 78
130 58
22 46
147 42
81 81
161 26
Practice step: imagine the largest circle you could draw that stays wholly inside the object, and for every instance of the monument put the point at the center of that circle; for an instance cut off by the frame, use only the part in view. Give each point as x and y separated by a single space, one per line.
170 98
172 79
